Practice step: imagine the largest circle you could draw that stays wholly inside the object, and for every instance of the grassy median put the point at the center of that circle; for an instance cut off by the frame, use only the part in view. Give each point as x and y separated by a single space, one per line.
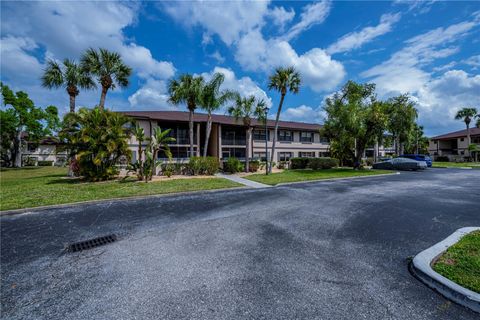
439 164
307 175
39 186
461 262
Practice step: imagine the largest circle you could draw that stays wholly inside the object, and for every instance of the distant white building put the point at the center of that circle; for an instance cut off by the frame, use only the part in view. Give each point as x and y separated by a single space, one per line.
44 151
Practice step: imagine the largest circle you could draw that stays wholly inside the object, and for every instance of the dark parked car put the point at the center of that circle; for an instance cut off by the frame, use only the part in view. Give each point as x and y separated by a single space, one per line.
400 164
419 157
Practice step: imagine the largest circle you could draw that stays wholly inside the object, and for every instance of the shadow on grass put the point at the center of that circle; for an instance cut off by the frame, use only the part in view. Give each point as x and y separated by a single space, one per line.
3 169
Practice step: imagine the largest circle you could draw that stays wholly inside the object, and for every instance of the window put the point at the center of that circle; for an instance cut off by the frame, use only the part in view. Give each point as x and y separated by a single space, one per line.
238 153
476 140
259 156
285 135
233 136
31 147
284 156
306 154
306 136
324 139
259 135
461 139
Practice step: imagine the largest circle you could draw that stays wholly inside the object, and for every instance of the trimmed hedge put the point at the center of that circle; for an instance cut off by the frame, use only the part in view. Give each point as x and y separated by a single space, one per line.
232 165
322 163
204 166
45 163
254 165
298 163
442 159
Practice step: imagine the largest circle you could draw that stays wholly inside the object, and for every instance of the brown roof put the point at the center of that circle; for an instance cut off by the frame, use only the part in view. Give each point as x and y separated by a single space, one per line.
216 118
457 134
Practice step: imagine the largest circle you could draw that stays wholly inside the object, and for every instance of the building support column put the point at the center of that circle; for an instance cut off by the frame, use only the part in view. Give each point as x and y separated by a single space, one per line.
219 141
198 140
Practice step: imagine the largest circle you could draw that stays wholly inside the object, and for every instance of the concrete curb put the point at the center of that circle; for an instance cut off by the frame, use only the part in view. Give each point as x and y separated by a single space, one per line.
125 199
335 179
421 268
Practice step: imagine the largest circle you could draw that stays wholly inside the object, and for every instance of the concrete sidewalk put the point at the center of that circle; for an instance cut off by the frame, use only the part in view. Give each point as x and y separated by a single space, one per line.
243 181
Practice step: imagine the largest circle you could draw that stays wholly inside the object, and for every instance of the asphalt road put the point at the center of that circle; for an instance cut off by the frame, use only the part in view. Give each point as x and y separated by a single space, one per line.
323 250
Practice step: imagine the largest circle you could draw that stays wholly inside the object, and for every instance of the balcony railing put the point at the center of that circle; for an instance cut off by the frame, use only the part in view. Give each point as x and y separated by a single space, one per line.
234 142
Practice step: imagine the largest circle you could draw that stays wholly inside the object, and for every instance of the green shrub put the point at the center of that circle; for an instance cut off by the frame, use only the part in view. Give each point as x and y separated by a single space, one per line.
175 168
282 164
29 161
204 165
254 165
232 165
322 163
45 163
298 163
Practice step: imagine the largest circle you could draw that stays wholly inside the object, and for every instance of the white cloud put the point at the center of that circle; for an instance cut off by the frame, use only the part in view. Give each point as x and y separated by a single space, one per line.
355 40
280 16
317 68
473 61
229 19
64 30
153 95
17 64
420 6
244 85
304 113
311 15
439 100
403 72
217 56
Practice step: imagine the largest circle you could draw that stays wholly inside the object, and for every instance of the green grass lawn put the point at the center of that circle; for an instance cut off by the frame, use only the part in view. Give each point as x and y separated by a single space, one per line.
461 262
306 175
39 186
474 165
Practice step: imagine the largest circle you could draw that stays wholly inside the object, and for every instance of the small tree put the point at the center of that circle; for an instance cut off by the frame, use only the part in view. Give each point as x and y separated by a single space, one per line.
402 116
23 119
139 134
99 139
466 115
159 142
473 149
248 108
212 99
355 119
109 69
187 90
283 80
70 76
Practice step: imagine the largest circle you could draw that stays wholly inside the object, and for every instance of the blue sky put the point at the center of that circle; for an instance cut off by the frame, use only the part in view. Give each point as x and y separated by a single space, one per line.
430 49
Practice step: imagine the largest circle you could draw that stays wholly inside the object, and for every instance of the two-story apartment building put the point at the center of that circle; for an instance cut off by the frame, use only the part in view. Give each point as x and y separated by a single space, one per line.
454 144
228 136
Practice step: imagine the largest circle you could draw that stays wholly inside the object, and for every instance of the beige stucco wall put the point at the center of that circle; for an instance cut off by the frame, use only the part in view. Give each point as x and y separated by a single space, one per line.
44 153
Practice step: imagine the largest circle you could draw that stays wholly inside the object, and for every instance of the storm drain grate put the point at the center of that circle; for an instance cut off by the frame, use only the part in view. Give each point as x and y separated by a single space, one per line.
92 243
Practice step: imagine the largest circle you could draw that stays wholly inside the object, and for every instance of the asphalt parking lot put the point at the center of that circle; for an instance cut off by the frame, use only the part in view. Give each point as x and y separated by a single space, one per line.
323 250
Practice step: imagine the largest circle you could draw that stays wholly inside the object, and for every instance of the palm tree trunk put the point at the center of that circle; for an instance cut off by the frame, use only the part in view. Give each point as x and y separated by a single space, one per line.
190 131
207 134
154 161
275 132
17 159
247 151
139 160
72 103
468 138
102 98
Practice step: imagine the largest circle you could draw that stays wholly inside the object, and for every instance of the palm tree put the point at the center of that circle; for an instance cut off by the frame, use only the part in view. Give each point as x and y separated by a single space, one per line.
159 142
466 114
211 100
187 89
109 69
283 80
248 108
139 134
70 76
478 120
